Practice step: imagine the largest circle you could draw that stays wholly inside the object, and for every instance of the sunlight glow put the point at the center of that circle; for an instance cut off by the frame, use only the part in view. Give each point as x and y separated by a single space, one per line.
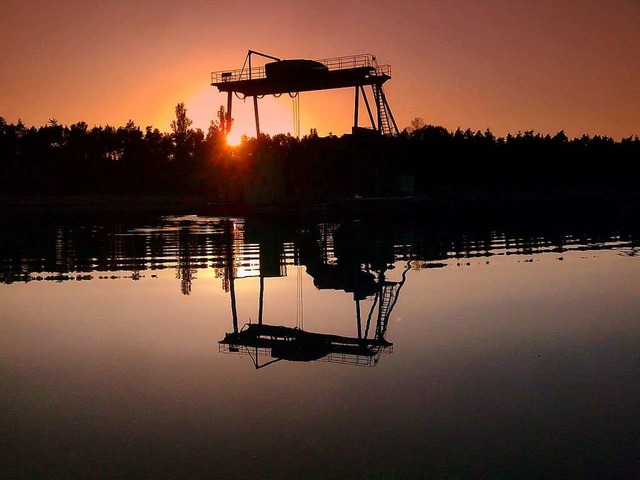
276 114
202 107
234 138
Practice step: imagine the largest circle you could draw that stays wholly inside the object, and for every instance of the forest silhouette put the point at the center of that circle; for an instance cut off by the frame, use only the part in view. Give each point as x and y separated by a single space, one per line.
57 160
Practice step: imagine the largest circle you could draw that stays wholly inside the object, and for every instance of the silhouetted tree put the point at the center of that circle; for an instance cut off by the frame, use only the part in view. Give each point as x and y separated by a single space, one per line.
56 159
181 124
416 124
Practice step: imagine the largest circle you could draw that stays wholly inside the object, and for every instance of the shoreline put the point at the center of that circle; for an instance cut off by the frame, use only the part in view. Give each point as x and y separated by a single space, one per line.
440 204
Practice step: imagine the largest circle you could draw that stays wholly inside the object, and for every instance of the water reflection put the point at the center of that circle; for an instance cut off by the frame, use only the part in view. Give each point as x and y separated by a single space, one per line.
506 370
334 262
346 255
296 344
355 257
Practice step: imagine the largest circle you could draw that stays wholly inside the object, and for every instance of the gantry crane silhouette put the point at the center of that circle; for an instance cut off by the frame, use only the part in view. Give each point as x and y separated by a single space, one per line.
293 76
278 342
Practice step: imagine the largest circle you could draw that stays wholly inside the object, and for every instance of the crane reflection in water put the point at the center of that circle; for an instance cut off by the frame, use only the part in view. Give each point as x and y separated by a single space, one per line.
358 270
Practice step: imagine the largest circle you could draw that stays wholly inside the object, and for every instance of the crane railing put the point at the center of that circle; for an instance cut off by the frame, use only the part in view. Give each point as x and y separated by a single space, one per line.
333 64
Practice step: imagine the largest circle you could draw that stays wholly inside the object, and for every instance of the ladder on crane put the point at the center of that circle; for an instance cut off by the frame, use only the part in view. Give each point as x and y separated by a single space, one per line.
386 122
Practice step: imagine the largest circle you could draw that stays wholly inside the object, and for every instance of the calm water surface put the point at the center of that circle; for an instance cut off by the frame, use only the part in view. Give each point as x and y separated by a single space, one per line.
437 352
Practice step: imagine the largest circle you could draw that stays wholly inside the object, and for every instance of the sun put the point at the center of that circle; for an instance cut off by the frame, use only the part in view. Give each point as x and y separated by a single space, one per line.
234 138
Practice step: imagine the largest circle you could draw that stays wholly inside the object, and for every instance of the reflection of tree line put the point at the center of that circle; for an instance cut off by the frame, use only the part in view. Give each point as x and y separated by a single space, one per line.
186 269
334 254
77 159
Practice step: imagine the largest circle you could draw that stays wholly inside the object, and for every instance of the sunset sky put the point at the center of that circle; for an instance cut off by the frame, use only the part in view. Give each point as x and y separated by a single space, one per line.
505 65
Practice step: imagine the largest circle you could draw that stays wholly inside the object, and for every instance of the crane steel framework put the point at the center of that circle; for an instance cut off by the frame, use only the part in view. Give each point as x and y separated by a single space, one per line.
294 76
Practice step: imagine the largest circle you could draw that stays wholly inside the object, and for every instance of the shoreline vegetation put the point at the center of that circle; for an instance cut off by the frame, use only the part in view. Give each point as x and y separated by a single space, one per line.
75 168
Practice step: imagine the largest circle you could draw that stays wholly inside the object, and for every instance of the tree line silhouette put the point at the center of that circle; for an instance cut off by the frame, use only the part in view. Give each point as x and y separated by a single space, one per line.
77 160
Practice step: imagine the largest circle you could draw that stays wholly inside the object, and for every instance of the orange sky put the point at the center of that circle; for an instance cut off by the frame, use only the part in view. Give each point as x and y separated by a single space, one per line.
505 65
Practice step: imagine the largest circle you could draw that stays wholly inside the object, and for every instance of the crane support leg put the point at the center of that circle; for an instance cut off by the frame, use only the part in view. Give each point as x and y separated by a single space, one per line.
359 319
228 122
355 109
261 300
366 102
255 110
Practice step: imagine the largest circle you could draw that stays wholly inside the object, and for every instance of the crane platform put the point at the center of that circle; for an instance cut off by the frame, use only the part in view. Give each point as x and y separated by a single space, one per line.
294 344
302 76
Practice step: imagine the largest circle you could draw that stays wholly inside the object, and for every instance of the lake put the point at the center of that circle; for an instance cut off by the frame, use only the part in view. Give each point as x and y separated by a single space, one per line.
195 346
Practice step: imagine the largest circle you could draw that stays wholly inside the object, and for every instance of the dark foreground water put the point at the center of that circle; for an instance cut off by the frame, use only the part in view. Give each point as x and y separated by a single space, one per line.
440 351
